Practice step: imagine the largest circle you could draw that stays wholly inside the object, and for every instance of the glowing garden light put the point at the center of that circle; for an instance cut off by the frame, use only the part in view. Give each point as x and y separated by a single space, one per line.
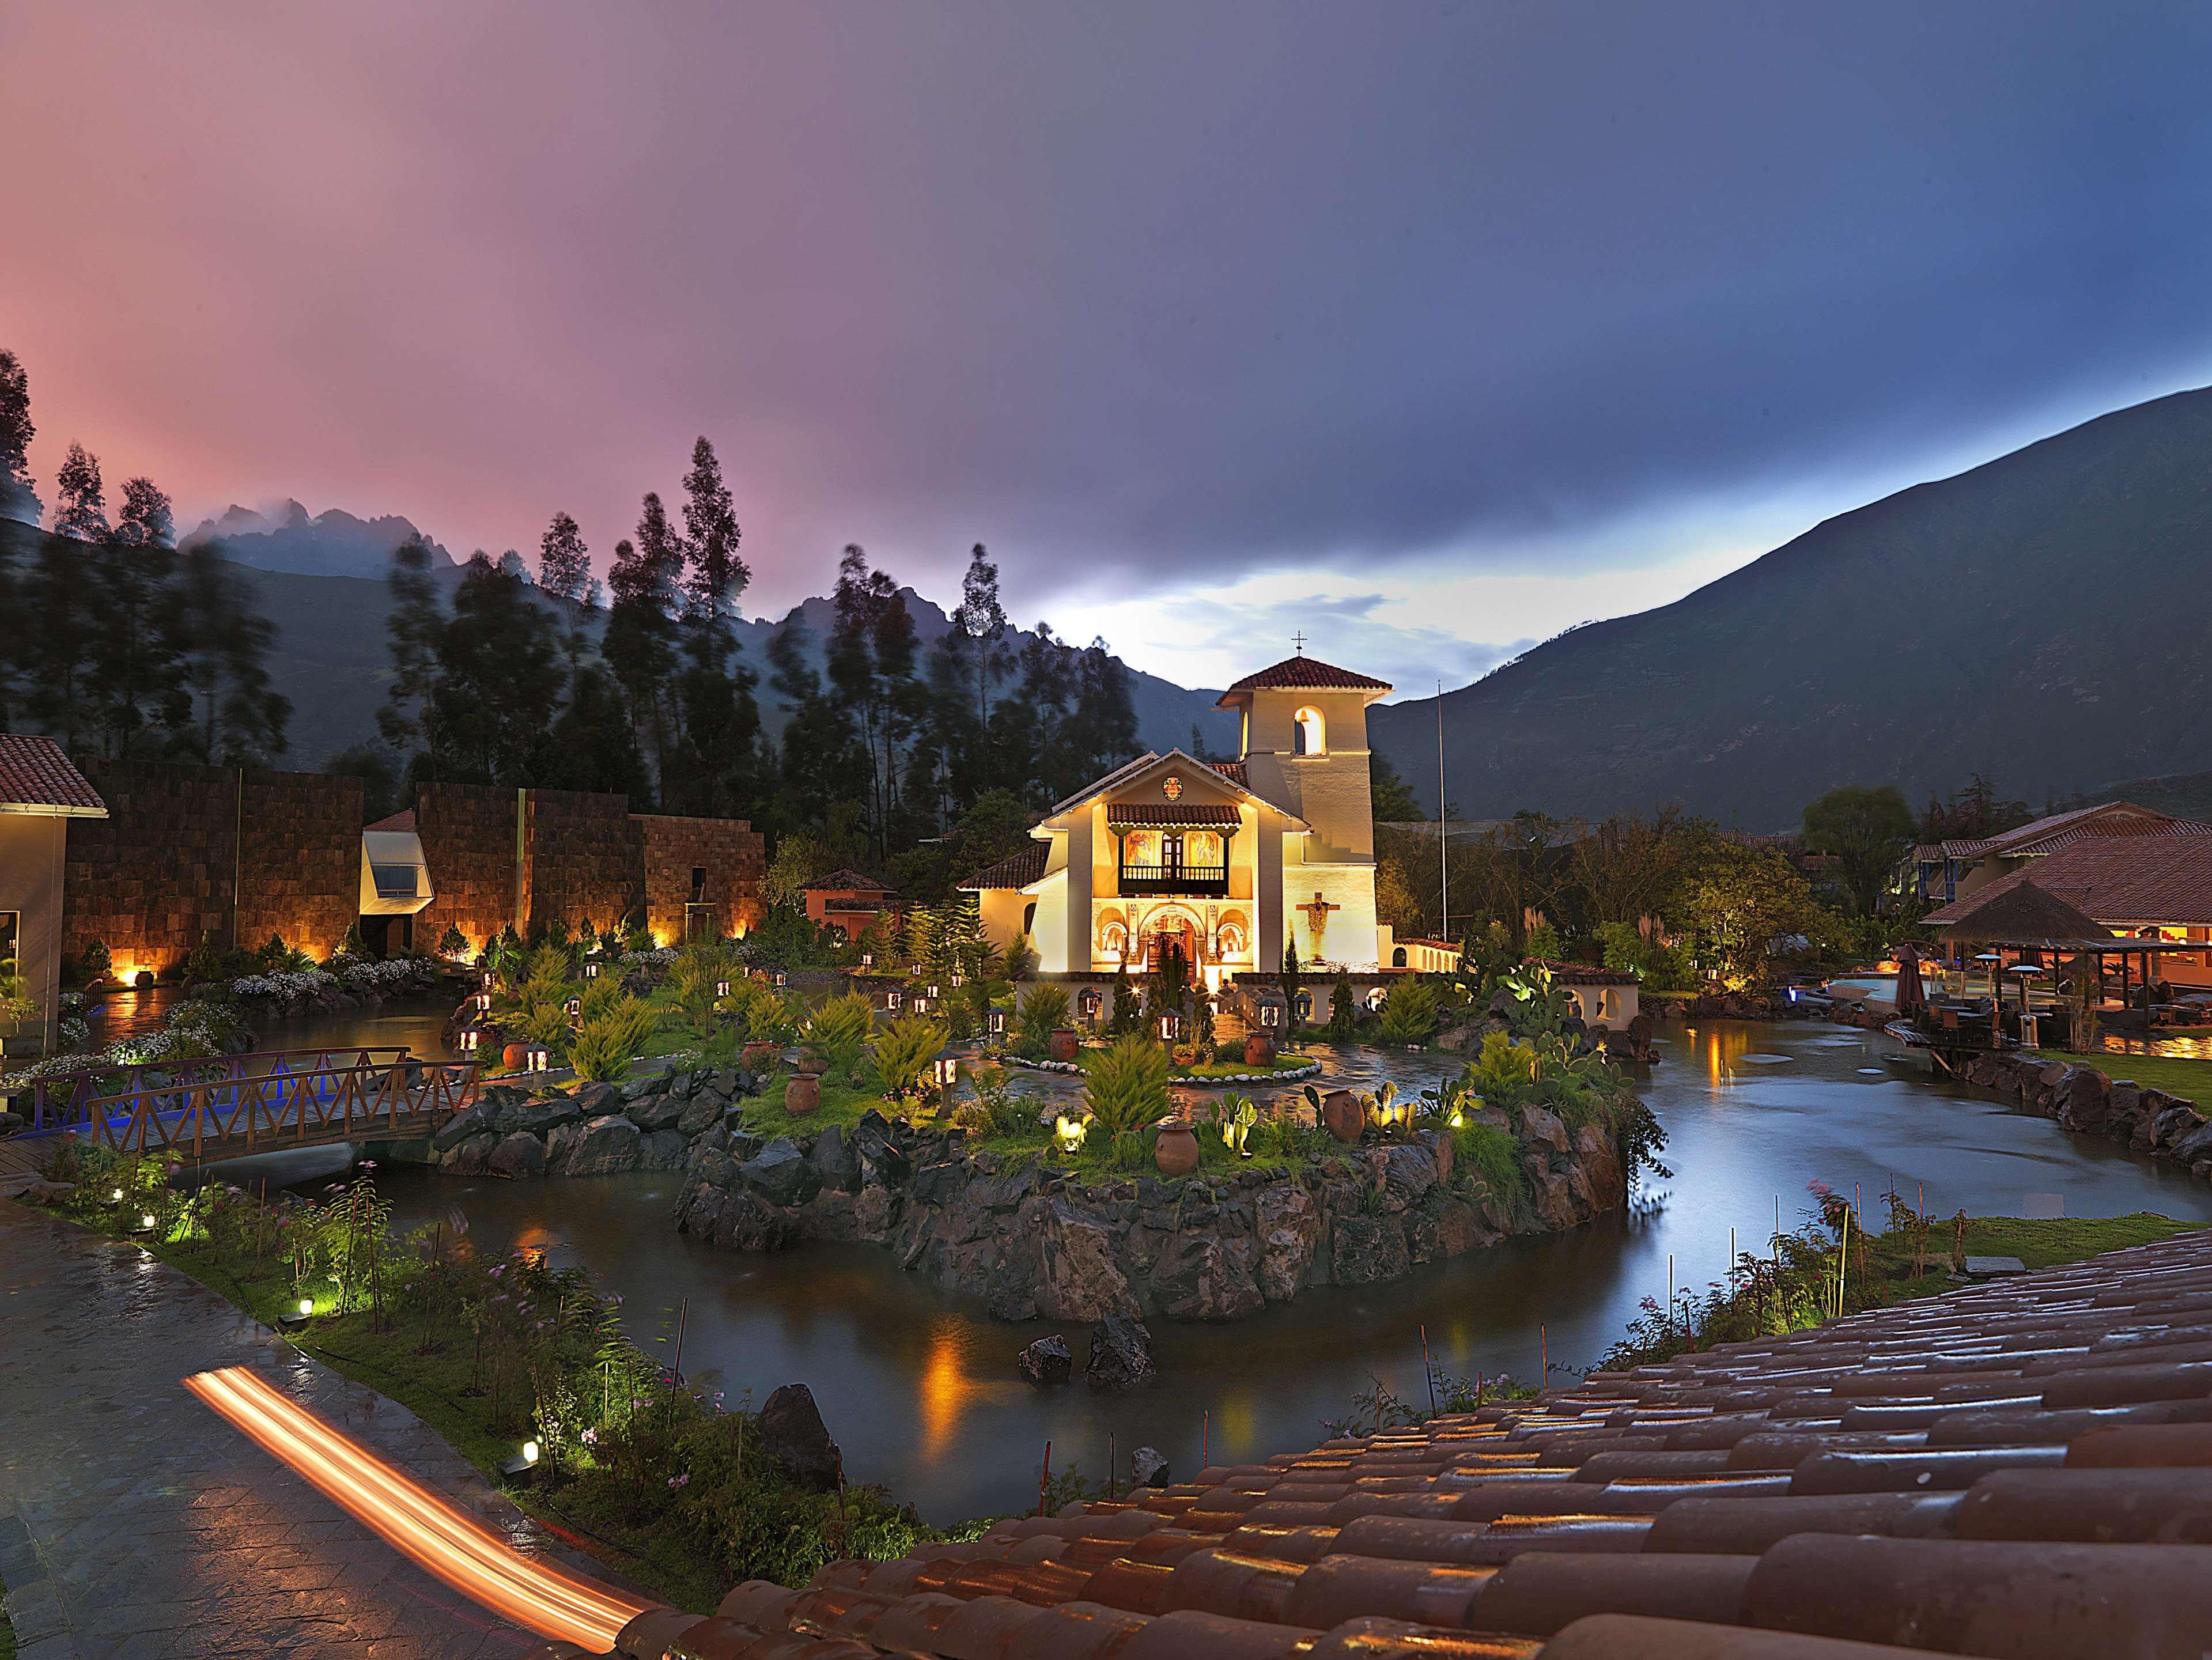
591 970
1068 1133
997 1023
470 1038
538 1058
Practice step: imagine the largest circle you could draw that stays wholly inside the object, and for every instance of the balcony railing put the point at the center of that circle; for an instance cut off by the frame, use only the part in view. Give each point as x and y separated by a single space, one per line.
1210 880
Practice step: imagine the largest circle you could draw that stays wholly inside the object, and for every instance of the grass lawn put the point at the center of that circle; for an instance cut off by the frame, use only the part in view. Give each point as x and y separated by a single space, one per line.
7 1632
2175 1074
1238 1068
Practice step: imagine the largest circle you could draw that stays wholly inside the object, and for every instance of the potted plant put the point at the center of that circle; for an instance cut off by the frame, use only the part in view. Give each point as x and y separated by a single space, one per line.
1174 1150
1258 1049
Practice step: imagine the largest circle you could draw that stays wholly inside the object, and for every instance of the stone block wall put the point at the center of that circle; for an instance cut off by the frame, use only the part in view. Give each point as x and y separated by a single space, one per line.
158 874
469 841
585 861
300 866
729 850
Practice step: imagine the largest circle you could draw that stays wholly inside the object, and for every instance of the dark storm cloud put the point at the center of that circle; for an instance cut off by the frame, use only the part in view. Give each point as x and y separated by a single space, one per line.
1182 291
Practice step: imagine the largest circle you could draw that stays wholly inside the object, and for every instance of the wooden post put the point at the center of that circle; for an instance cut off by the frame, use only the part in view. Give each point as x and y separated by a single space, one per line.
1045 1479
1428 1371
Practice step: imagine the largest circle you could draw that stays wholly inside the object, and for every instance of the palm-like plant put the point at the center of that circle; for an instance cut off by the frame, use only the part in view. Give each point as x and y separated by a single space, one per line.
1125 1084
903 1051
840 1029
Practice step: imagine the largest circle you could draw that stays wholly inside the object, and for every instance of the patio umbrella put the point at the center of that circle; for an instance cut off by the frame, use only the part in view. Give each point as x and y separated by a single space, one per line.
1911 996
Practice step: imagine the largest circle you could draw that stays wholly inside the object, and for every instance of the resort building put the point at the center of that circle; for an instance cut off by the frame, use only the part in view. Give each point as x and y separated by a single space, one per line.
40 794
2146 886
1220 862
850 902
1943 871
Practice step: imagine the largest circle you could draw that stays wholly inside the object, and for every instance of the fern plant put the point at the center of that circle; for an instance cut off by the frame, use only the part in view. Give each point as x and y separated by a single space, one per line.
1126 1086
1041 1010
693 978
602 1048
840 1029
903 1051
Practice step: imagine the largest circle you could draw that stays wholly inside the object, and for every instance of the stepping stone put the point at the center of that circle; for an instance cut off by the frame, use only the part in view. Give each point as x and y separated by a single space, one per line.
1764 1059
1874 1072
1993 1268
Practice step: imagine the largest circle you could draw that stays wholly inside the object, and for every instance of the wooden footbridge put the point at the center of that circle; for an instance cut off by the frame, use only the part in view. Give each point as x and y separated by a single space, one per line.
195 1112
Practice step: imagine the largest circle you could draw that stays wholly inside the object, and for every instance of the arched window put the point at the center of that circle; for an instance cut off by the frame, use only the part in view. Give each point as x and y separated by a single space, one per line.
1312 737
1029 917
1398 958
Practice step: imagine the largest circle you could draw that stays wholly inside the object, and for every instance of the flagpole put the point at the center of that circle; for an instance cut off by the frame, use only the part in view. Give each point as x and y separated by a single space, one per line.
1443 828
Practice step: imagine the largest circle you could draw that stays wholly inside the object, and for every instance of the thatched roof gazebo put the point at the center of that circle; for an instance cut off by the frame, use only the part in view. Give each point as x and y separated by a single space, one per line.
2019 915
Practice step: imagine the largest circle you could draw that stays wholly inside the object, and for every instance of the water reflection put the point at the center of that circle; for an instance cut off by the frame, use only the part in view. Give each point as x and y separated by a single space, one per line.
922 1391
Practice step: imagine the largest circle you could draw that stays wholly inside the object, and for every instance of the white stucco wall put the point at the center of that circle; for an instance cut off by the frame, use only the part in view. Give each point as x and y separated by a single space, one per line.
31 850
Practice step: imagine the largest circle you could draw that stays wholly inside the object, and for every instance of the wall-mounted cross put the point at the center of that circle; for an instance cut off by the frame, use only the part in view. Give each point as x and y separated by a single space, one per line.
1317 914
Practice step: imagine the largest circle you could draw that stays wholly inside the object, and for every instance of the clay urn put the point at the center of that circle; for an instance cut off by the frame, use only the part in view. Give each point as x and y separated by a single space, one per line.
513 1056
1343 1116
1065 1043
1176 1152
1258 1049
757 1055
803 1094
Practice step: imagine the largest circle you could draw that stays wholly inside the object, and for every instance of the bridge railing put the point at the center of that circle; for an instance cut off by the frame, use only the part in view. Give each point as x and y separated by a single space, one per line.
227 1105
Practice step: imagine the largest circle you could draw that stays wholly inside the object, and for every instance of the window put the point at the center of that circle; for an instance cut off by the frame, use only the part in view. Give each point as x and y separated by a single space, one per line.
396 881
1398 958
1029 917
1311 735
698 884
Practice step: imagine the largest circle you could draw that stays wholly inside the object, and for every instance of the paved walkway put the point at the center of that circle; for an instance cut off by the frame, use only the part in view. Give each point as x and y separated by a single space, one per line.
135 1522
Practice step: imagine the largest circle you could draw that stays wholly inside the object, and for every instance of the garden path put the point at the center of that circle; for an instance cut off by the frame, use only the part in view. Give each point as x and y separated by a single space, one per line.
135 1522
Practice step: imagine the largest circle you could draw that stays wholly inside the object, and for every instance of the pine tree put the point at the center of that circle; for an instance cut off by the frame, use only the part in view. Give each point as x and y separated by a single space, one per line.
19 499
235 718
593 748
715 768
137 648
640 642
564 563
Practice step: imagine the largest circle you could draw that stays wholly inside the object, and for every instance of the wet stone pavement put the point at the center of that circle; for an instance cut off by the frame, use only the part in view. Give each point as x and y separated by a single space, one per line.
135 1522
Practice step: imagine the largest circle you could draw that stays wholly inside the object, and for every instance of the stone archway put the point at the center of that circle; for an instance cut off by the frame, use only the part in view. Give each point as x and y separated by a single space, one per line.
1168 931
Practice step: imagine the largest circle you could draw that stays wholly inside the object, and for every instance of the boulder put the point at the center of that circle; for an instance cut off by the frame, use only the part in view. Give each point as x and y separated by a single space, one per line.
2194 1145
1082 1277
1544 1127
1047 1361
601 1147
780 1173
1601 1162
1203 1276
637 1088
1121 1355
595 1100
662 1150
835 1162
539 1117
701 1113
1365 1249
470 1121
519 1153
875 1212
1556 1208
1410 1169
11 1121
469 1156
1287 1222
739 1219
656 1112
790 1430
2084 1098
1148 1468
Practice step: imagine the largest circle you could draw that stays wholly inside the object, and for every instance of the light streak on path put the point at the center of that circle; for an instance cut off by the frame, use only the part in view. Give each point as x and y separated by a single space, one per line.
417 1522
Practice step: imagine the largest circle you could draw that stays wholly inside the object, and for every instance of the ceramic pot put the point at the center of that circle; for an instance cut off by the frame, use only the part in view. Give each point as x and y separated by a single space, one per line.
513 1056
1258 1049
803 1094
757 1056
1343 1116
1065 1043
1176 1152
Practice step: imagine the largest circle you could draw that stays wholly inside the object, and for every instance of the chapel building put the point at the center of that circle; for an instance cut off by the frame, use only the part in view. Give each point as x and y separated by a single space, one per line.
1222 861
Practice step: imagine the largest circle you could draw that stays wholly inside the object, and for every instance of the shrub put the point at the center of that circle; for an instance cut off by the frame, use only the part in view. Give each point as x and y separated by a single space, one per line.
95 961
1041 1010
600 997
1409 1013
452 942
903 1051
841 1029
603 1047
1126 1086
693 976
1344 1011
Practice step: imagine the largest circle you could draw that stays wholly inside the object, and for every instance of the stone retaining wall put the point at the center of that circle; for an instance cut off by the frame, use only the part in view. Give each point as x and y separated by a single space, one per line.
2081 1097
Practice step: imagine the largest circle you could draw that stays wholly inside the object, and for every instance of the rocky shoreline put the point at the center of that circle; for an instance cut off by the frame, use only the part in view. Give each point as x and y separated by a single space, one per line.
2083 1098
1031 1239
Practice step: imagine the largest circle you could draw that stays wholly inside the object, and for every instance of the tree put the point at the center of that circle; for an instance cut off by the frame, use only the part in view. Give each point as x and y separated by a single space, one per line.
1972 813
983 623
145 520
372 764
564 563
1740 902
18 498
80 504
593 748
1867 830
469 691
137 642
1391 797
717 575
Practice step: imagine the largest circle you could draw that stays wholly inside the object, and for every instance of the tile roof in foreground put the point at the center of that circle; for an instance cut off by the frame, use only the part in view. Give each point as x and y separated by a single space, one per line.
1301 673
1996 1472
36 775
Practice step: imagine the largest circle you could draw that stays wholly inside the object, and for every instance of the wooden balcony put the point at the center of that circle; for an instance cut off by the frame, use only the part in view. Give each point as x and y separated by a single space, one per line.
1198 881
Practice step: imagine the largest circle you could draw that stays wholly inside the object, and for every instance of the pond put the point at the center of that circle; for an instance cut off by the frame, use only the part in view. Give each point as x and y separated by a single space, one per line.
920 1388
417 1024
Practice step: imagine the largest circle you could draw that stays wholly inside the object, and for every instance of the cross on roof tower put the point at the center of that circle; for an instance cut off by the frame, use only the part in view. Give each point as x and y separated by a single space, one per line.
1299 641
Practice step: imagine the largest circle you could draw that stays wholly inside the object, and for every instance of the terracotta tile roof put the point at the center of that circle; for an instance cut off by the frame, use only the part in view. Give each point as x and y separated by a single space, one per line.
2106 819
845 881
1233 771
2116 880
403 820
1147 812
1299 673
37 776
1015 871
883 902
1998 1470
2018 910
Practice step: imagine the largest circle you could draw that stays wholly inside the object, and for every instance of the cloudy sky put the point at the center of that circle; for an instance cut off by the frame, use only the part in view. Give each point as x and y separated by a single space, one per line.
1428 329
